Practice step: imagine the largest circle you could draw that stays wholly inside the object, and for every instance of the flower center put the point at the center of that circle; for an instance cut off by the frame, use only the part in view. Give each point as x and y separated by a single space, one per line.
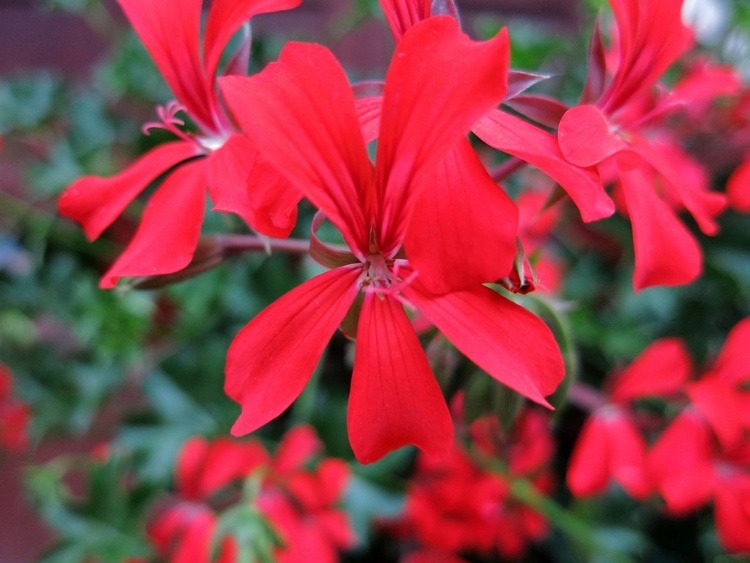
378 272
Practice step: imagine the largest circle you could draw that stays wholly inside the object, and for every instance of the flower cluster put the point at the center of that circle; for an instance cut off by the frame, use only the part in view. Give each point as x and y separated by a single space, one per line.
426 228
454 505
700 454
295 493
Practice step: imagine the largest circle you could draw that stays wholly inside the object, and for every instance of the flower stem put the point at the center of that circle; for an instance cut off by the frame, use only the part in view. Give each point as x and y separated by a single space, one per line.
241 243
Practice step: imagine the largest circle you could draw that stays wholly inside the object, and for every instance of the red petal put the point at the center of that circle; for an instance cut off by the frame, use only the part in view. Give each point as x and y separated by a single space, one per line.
333 475
184 531
686 180
732 513
588 472
540 109
226 17
666 253
273 200
96 202
463 230
597 70
651 37
241 182
272 357
585 138
169 29
721 406
439 84
523 140
300 113
733 363
165 246
297 447
402 15
662 369
395 399
705 82
369 110
505 340
738 188
228 170
681 463
336 526
205 467
628 456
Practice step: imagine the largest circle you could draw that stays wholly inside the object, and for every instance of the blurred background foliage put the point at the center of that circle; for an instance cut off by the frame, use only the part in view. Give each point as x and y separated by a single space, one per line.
142 370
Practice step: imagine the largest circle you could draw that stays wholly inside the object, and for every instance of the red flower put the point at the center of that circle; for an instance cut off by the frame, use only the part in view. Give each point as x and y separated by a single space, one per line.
690 469
299 502
611 123
610 445
722 395
310 130
14 416
453 506
238 180
704 454
510 134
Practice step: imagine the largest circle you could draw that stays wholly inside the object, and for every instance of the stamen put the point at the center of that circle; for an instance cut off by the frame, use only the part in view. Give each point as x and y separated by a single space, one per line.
169 121
388 284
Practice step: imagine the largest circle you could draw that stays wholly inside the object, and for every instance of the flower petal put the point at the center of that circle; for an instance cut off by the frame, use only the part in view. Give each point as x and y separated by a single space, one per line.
304 121
523 140
504 339
666 253
205 467
226 17
662 369
732 513
588 472
169 29
651 37
681 463
273 356
733 363
721 405
395 399
96 202
686 180
628 456
584 136
402 15
242 182
738 187
369 109
463 229
298 446
439 84
165 246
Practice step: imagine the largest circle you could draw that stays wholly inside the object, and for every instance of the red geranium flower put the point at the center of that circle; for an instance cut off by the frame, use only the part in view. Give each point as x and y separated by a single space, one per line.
217 157
655 175
508 133
439 84
297 497
690 468
610 445
453 506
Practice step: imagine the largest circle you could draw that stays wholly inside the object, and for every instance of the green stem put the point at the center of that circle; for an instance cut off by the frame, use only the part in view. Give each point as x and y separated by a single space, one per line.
567 346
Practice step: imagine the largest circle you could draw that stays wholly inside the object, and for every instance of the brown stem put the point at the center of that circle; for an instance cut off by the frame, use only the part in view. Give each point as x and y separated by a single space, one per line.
585 397
507 168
